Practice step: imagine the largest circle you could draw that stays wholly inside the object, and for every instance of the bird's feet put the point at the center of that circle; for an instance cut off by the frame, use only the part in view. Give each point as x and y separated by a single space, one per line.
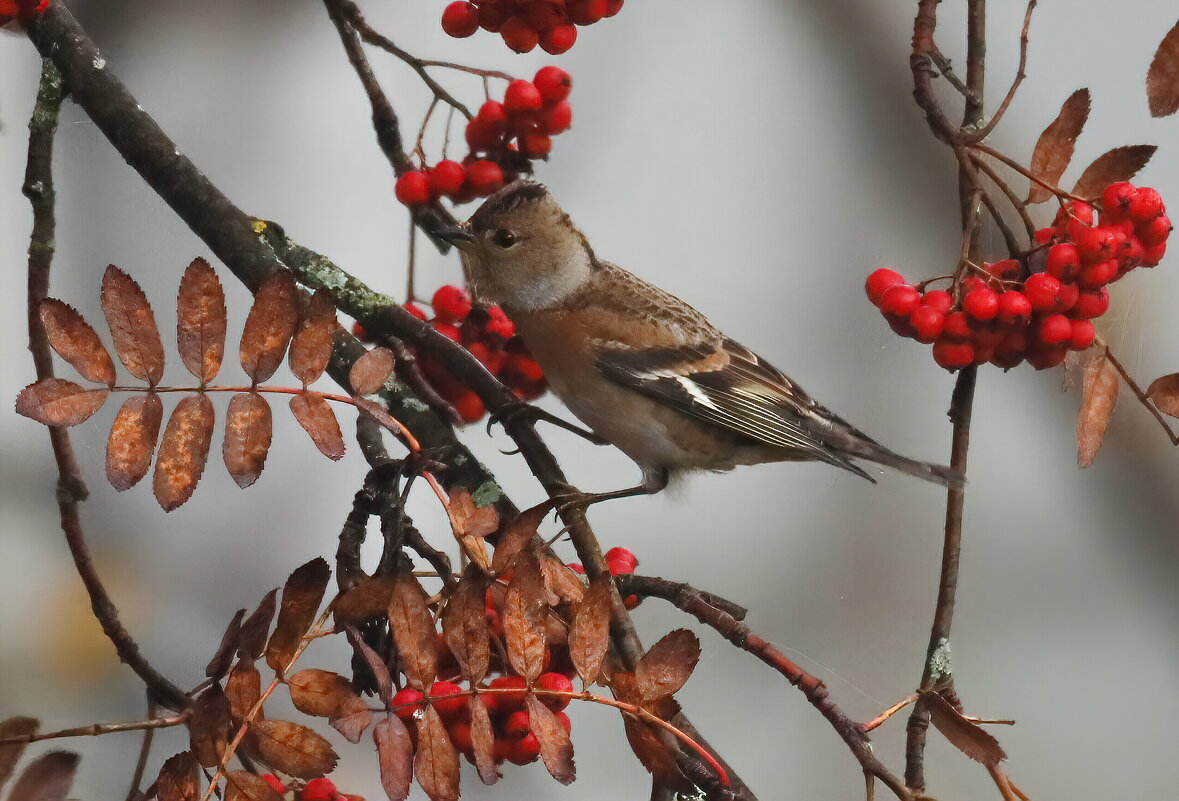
570 498
519 410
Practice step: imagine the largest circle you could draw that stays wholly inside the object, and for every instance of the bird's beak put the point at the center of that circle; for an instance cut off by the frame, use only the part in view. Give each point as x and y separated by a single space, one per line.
457 235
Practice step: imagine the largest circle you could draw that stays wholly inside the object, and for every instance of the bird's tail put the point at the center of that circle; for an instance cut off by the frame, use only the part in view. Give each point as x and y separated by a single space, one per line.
934 473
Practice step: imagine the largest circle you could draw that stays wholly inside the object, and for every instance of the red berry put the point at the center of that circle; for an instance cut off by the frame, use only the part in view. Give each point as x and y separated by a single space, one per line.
359 332
1154 254
1096 244
484 177
619 567
447 330
1074 216
1043 358
880 281
1006 270
274 782
927 323
938 299
517 724
622 555
524 750
518 34
544 15
900 300
1067 297
558 39
321 789
613 7
406 703
451 304
469 407
553 83
586 12
1115 199
447 707
630 601
556 118
952 355
414 309
413 188
1063 261
1041 289
558 683
1097 275
509 700
1083 334
981 304
482 134
522 96
498 323
492 16
1045 235
536 145
1155 232
1091 304
973 282
492 112
460 19
446 178
1014 307
1054 329
460 736
1146 204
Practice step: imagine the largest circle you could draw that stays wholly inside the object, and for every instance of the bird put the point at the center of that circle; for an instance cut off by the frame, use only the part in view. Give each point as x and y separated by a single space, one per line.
641 368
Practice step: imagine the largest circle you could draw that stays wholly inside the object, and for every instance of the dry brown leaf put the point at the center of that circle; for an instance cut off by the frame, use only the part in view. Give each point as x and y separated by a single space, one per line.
589 636
47 778
482 740
1099 395
183 451
318 692
133 326
241 785
394 756
10 754
248 432
368 599
243 689
967 736
200 321
293 749
655 756
319 421
464 622
208 726
1119 164
524 617
269 326
555 747
256 627
75 341
516 534
667 664
1164 394
370 372
1162 79
562 582
413 630
436 762
311 349
301 596
219 665
179 778
376 665
58 402
132 440
378 412
352 718
1054 148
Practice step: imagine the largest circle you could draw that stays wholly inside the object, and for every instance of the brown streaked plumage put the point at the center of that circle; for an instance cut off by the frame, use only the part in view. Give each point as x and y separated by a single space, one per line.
644 370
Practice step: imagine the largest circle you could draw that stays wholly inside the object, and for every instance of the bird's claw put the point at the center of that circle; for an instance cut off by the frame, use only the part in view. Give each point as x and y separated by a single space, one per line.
518 410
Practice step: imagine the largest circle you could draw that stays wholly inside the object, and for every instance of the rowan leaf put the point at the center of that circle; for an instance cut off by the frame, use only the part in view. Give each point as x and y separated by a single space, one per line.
248 433
241 785
269 326
132 440
183 451
1164 394
1162 79
256 627
208 726
301 596
966 735
219 665
464 622
133 326
370 372
413 630
311 349
482 740
318 692
394 756
58 402
243 689
524 617
556 750
655 756
179 778
47 778
560 580
10 754
667 665
589 636
293 749
75 341
351 718
436 762
1099 395
368 599
378 412
319 421
376 665
1119 164
201 321
516 534
1054 148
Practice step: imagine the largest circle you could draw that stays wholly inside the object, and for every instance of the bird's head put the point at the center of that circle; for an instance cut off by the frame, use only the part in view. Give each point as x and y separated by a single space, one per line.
521 251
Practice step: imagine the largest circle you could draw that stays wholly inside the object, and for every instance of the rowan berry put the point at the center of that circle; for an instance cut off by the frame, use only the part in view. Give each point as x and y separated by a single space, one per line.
558 39
900 300
956 326
460 736
517 724
492 112
536 145
881 280
492 16
525 750
553 83
1066 298
952 354
274 782
586 12
1145 204
460 19
414 309
446 178
1096 244
1154 254
1115 198
522 96
1095 276
484 176
927 323
1082 335
1054 329
469 406
622 555
1014 307
981 304
451 304
519 35
406 703
555 118
1155 231
938 299
506 701
447 706
558 683
321 789
1041 290
412 188
1063 261
1042 358
482 134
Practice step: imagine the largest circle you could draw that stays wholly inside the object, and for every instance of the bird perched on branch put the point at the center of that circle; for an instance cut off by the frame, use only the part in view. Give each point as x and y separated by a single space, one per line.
644 370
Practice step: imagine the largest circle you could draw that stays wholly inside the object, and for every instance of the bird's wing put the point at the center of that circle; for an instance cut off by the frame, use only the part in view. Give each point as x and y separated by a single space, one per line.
725 384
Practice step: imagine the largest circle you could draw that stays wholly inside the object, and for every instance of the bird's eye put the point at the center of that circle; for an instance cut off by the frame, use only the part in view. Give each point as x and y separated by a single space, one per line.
504 238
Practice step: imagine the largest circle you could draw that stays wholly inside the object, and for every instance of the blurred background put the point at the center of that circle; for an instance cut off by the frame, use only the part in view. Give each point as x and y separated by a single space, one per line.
757 159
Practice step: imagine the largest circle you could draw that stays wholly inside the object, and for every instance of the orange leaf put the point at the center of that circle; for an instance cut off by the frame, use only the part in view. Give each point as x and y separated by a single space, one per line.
516 534
560 580
368 599
255 628
183 451
319 421
132 440
352 717
243 689
219 665
524 618
1162 79
1119 164
370 372
10 754
555 747
318 692
75 341
248 432
394 756
667 665
269 326
133 326
589 636
293 749
464 622
378 413
58 402
208 726
241 785
179 778
1054 148
1164 394
436 762
482 740
311 349
200 321
1099 395
966 735
413 630
301 597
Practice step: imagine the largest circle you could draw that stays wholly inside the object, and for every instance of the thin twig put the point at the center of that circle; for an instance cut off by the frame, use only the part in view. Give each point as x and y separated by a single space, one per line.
1024 171
144 753
98 729
947 72
986 130
1016 202
1141 395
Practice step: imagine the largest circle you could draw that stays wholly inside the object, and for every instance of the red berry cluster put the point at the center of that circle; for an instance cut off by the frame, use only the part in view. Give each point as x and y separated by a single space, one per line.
321 789
504 138
489 335
620 562
21 9
1041 307
524 24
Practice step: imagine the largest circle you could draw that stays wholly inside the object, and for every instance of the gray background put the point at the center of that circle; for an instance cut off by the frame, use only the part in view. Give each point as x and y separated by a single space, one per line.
757 159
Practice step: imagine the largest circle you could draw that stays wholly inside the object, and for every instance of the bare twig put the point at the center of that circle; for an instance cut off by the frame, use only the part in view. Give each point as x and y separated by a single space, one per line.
1139 393
98 729
1016 202
144 753
986 130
